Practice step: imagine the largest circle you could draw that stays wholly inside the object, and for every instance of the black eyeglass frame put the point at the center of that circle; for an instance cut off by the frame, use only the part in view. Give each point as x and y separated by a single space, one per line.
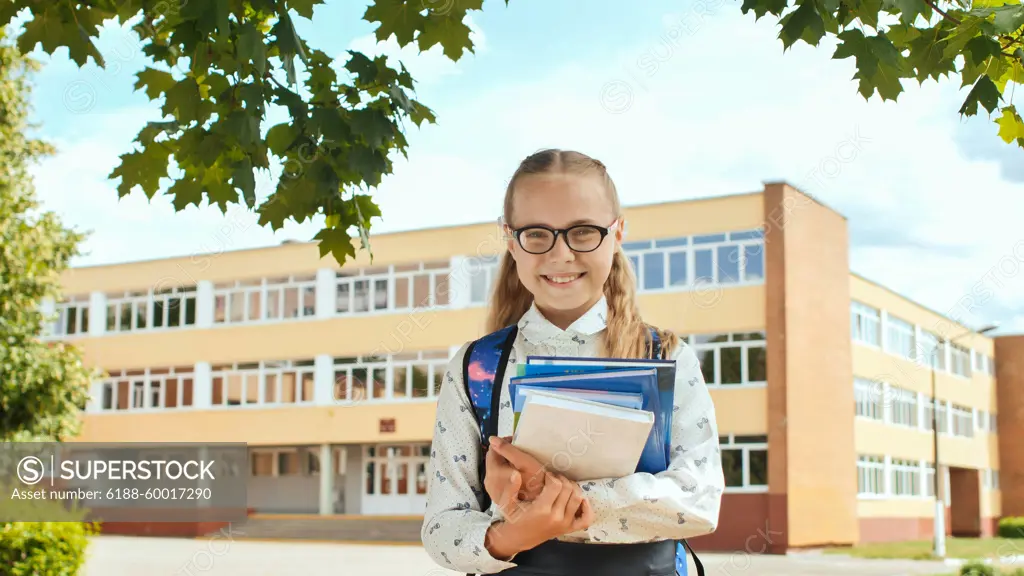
564 232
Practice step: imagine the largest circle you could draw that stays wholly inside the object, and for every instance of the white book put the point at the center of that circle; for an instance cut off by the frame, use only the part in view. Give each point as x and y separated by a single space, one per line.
582 439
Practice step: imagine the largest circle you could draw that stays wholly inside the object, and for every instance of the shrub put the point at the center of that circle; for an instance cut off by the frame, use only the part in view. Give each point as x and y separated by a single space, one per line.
975 568
1012 527
43 548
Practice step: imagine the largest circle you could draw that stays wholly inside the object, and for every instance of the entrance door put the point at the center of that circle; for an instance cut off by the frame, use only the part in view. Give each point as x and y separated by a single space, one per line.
395 479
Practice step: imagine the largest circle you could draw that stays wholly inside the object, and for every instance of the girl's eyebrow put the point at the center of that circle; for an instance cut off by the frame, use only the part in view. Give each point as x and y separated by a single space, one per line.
569 225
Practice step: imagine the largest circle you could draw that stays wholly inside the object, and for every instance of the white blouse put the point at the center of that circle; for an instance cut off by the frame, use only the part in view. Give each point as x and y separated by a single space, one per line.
682 502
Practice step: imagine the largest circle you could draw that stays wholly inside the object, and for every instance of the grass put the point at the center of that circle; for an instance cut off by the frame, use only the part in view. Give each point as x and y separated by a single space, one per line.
922 549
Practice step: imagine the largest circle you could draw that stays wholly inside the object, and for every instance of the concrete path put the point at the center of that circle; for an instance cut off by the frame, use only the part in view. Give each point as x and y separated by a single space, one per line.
226 555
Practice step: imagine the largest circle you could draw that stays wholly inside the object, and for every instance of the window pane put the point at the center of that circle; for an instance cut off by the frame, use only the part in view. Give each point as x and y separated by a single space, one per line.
359 377
126 316
190 312
441 287
85 319
732 466
341 384
732 369
754 262
274 303
398 385
174 309
758 467
421 478
139 308
309 301
307 386
361 291
654 270
380 294
342 299
111 318
635 261
270 388
370 467
676 268
728 264
421 291
158 314
704 267
255 310
757 364
420 382
237 306
707 365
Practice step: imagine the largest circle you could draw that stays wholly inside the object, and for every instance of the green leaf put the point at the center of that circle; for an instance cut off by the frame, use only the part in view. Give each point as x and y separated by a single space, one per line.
448 30
879 64
1011 126
981 48
396 17
251 47
243 179
274 211
184 102
280 137
909 10
244 127
155 81
185 191
337 242
985 92
372 125
331 123
927 55
1008 19
804 23
143 168
303 7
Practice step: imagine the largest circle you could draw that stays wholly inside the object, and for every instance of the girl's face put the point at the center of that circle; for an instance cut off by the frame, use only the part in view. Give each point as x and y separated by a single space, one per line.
564 282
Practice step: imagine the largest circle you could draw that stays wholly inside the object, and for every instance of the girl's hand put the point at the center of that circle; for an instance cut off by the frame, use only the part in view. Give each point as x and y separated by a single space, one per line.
559 509
531 472
502 482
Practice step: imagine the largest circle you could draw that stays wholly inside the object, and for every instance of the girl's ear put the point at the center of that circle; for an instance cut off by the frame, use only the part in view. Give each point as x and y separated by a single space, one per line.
620 230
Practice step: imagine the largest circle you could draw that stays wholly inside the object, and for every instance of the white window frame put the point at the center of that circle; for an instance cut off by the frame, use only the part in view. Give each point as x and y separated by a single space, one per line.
392 288
151 396
266 289
731 342
899 337
869 398
866 324
76 307
136 301
748 243
256 373
434 362
871 476
745 446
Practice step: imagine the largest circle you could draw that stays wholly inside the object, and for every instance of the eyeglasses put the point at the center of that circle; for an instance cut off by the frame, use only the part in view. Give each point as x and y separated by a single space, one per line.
579 238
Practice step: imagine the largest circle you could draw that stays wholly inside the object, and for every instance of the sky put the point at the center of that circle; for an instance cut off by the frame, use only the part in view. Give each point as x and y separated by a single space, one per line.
680 99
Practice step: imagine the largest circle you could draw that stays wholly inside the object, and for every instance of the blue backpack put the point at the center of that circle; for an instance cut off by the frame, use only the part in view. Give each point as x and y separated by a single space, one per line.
491 353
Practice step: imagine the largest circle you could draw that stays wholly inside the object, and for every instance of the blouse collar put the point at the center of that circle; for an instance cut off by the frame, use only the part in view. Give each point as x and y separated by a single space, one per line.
537 328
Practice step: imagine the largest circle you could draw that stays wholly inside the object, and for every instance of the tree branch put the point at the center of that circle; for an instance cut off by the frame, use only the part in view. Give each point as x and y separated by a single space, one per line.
943 13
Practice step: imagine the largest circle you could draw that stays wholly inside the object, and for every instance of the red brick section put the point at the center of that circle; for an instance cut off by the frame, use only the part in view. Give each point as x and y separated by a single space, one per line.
743 527
1010 419
812 471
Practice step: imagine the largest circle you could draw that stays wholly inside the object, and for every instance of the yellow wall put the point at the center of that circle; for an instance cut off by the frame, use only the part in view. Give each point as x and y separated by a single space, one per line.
896 508
876 438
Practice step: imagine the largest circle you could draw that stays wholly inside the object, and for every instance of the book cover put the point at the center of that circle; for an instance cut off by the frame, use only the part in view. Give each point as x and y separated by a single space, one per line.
643 381
538 365
582 439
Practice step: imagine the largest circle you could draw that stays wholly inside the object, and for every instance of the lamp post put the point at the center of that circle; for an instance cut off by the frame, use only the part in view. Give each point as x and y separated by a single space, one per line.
939 523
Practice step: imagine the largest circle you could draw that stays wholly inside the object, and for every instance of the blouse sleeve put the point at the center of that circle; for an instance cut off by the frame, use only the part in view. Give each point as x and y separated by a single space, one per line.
681 502
454 527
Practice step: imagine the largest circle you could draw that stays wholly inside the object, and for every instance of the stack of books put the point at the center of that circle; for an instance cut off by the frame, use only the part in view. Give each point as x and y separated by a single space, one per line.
592 418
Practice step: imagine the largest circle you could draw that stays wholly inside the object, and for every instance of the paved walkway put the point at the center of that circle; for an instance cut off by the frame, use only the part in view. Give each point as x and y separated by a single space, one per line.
225 556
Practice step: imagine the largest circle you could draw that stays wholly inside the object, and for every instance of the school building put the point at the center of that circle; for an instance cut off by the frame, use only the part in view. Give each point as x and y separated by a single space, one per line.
822 379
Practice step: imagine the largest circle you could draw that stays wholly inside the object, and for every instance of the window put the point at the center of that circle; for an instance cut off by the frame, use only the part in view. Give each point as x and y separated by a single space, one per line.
413 376
865 324
482 272
263 383
398 287
868 398
899 337
942 416
666 263
731 359
930 352
745 462
151 388
265 299
172 307
904 406
905 477
929 479
870 475
960 360
72 317
992 422
963 421
990 479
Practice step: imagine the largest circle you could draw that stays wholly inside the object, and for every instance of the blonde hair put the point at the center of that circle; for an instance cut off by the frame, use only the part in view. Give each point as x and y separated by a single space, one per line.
510 299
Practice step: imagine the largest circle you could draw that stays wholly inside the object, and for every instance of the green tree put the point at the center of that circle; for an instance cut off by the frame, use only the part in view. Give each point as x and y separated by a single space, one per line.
43 385
981 41
217 64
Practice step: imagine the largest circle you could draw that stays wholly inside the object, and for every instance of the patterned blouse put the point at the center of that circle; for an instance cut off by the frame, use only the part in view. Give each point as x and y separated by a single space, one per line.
682 502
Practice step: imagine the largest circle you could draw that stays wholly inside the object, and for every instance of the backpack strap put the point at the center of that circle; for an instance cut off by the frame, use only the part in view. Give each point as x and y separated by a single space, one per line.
483 372
654 350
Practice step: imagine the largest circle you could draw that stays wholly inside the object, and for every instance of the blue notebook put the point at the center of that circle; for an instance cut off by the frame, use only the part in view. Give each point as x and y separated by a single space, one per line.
666 381
653 459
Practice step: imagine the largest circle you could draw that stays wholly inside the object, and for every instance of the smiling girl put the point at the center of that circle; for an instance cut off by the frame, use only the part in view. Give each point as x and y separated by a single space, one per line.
569 289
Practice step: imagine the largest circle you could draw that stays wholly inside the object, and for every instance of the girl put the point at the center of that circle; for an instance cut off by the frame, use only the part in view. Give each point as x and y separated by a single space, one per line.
570 290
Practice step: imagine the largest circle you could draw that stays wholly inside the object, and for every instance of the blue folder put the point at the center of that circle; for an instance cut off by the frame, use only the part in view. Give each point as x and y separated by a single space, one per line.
573 365
653 459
